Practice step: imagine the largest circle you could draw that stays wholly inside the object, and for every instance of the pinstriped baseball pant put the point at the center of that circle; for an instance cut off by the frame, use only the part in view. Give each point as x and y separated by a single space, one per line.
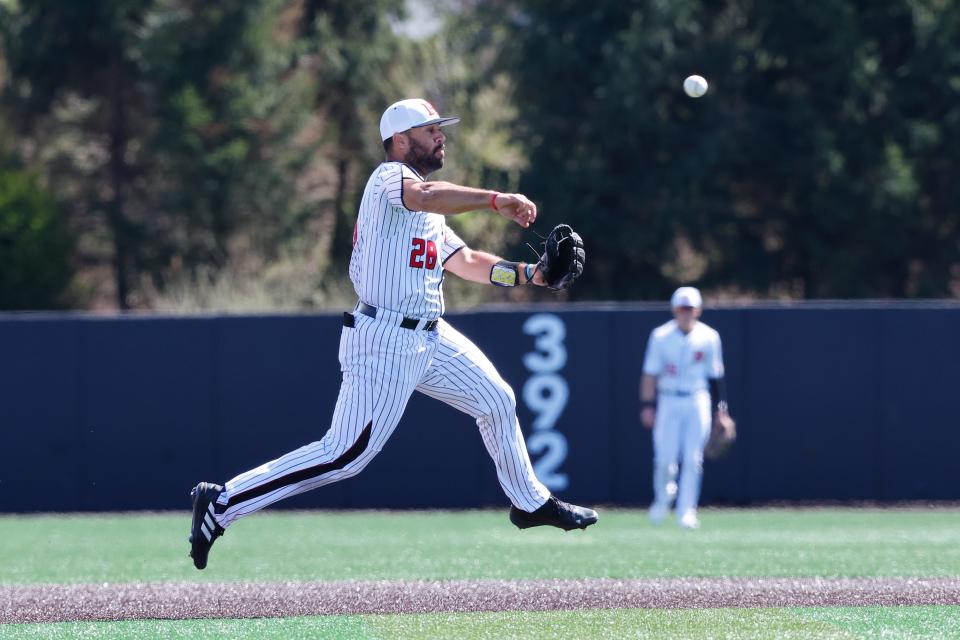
382 366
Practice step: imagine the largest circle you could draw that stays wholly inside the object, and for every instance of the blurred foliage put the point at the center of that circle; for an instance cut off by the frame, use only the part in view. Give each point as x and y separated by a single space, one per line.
818 165
34 245
212 155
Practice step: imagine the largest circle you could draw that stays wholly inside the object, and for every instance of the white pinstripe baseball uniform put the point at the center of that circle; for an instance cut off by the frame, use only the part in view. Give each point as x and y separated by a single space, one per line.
397 268
682 363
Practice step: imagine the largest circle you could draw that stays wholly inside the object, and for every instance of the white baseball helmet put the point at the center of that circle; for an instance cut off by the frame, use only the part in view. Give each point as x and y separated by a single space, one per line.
686 297
411 113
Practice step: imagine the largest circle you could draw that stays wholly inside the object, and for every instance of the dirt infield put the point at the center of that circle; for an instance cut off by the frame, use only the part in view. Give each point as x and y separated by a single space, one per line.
179 600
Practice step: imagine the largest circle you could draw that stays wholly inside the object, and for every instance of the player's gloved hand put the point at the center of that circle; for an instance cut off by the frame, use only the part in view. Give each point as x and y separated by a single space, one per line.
562 259
722 435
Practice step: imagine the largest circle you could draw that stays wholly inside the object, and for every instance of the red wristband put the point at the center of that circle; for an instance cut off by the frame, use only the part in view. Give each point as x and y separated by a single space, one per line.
493 201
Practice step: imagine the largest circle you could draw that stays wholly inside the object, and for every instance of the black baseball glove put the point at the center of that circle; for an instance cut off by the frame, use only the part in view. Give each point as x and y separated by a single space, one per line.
563 257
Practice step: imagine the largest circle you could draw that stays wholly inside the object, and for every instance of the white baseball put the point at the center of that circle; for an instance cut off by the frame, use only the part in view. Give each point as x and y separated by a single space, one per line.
695 86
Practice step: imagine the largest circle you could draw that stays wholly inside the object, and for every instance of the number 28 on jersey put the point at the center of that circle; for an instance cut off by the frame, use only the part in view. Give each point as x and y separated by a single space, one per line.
423 254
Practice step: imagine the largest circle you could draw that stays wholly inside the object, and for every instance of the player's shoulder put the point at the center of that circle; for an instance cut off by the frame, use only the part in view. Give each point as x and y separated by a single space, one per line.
707 331
385 170
664 330
393 169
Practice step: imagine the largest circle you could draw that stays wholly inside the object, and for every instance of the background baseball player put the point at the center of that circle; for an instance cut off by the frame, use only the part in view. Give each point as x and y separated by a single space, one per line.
395 341
681 389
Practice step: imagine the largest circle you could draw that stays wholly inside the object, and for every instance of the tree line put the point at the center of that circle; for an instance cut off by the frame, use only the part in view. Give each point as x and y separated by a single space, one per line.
181 154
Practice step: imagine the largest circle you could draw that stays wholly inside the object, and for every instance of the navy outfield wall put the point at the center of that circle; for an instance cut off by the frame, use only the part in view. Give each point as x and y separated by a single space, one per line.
834 402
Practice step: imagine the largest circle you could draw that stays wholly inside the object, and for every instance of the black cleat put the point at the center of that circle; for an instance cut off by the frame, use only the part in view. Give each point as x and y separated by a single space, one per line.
204 529
555 513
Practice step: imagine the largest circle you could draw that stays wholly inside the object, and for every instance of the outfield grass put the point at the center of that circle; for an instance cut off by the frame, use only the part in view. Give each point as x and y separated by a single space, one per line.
734 624
483 544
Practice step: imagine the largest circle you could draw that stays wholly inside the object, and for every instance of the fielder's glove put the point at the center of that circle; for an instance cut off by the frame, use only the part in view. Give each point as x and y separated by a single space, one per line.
722 435
563 257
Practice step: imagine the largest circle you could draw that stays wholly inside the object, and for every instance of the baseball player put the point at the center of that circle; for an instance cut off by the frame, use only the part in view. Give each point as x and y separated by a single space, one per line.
396 341
681 389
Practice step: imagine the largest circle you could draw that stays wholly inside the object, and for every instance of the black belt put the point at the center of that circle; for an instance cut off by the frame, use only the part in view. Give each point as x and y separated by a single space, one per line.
406 323
679 394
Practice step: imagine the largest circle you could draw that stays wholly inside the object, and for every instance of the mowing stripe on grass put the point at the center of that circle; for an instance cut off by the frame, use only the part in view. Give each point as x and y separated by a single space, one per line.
279 545
182 600
833 623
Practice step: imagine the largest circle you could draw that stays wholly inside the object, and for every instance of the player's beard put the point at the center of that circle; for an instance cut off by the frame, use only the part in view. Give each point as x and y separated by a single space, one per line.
424 159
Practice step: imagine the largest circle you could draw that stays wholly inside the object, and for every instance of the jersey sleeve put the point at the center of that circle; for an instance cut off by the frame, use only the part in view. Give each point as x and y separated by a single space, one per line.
653 363
451 244
393 175
715 366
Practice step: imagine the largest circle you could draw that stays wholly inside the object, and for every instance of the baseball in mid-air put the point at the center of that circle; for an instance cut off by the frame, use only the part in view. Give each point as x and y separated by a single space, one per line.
695 86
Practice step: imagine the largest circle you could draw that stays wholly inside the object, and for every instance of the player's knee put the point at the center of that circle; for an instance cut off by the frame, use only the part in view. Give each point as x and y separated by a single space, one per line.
360 462
356 466
496 401
504 400
667 466
694 460
509 397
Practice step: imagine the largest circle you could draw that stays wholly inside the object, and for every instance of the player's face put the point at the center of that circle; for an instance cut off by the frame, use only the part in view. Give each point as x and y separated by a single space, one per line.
686 317
426 150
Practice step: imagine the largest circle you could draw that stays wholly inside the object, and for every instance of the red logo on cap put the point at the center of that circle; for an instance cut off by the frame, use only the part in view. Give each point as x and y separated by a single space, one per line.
430 108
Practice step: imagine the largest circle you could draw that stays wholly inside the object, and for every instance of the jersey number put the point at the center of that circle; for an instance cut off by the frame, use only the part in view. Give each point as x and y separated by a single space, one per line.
423 248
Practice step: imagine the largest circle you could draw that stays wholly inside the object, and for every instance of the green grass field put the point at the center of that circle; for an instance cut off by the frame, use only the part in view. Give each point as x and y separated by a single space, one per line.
482 544
781 624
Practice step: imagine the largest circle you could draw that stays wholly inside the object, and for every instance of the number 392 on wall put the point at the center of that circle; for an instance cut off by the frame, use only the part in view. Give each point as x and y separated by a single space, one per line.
545 393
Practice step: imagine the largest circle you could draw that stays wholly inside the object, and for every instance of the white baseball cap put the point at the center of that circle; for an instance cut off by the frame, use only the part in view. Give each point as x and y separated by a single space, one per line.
410 113
686 297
